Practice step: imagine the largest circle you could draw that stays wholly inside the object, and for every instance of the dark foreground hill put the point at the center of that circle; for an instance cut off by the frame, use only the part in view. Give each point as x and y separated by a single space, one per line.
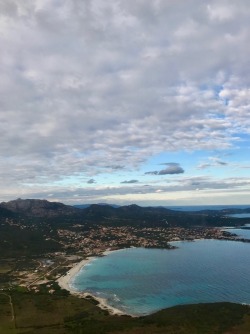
44 313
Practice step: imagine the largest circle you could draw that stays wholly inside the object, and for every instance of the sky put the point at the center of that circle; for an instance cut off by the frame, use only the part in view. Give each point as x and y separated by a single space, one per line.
136 101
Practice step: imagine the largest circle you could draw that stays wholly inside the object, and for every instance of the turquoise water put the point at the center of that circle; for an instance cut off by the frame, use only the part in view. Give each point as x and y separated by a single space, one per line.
140 281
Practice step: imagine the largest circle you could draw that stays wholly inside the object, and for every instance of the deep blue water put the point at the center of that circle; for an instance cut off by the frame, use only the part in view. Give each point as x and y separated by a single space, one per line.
206 207
239 215
241 232
141 281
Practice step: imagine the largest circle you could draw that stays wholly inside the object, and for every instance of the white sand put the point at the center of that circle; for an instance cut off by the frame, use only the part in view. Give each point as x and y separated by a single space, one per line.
64 281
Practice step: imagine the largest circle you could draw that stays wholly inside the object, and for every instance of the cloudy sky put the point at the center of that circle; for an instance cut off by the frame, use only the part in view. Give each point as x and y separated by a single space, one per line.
136 101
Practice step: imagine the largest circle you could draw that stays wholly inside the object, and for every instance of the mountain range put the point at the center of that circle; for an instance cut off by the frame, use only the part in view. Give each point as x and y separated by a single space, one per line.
116 215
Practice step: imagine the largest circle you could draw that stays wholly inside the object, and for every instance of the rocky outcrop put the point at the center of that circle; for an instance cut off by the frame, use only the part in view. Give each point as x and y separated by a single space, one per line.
39 208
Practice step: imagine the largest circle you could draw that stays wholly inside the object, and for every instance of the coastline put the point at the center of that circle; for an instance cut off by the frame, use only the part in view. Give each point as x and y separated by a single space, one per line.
64 283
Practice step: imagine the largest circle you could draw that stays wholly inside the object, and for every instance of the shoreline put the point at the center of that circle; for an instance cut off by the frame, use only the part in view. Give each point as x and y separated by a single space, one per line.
103 303
64 283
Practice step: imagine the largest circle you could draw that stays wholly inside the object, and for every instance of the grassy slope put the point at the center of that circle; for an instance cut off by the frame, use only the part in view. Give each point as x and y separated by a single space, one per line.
58 314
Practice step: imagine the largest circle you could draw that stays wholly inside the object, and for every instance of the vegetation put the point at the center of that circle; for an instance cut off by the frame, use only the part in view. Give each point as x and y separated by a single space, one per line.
33 254
42 313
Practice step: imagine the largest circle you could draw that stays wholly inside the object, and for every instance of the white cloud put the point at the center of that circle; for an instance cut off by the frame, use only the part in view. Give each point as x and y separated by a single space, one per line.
212 162
87 84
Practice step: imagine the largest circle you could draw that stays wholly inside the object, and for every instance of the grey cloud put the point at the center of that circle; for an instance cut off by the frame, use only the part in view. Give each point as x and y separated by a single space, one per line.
130 181
152 173
173 168
170 163
115 167
219 162
91 181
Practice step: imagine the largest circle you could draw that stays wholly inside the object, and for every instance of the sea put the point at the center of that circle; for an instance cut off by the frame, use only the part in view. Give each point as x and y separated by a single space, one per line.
206 207
241 231
141 281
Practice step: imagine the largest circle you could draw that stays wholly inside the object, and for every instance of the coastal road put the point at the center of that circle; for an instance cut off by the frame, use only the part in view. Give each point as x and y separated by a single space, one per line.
44 274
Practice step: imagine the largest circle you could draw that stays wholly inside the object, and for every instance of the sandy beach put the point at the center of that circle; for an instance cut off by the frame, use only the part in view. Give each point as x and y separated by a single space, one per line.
64 282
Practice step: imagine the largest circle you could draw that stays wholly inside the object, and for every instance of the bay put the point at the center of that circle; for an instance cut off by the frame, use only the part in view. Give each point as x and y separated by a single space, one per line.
141 281
241 232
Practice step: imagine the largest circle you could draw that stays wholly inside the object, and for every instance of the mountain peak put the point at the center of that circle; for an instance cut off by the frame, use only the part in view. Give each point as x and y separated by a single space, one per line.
38 207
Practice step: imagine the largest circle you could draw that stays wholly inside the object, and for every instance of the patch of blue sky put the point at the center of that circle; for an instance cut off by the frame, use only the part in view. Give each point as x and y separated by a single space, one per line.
217 89
114 178
239 156
187 160
72 181
243 139
208 87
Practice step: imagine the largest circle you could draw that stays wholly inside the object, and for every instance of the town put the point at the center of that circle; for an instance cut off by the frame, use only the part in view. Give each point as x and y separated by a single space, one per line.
76 243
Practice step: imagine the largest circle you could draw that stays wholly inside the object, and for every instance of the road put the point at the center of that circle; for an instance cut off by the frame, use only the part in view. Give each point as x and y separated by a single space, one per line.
11 307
